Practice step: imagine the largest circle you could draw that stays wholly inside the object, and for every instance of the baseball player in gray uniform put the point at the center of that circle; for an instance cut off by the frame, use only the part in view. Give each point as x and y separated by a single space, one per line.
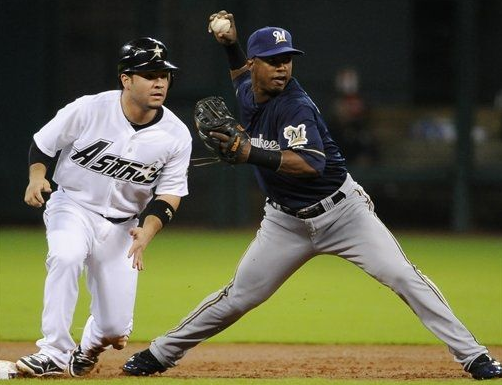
313 207
121 174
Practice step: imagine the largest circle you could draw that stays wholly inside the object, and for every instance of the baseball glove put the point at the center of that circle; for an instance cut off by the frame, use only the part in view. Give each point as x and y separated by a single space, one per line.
211 114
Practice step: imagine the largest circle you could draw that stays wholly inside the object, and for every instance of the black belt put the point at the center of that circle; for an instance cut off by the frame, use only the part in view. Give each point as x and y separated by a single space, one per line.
118 220
311 211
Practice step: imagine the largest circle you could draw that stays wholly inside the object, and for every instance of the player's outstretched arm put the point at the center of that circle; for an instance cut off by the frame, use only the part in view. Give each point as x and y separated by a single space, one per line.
222 26
155 216
37 185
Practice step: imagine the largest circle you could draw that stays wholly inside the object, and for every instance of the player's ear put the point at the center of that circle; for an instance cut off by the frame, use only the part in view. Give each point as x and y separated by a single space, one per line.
126 80
170 79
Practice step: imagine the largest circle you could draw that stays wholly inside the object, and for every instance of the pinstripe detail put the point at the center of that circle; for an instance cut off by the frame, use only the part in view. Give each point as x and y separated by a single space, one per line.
223 293
428 282
424 278
369 202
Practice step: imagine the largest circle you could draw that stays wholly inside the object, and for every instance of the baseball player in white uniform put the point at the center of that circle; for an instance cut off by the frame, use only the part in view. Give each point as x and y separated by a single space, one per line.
121 174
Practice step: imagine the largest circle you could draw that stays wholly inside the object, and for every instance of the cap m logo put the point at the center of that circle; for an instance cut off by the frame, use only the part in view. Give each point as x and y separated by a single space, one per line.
280 36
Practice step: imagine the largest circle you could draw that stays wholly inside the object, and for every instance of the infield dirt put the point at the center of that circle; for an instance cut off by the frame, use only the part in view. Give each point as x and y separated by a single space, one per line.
280 361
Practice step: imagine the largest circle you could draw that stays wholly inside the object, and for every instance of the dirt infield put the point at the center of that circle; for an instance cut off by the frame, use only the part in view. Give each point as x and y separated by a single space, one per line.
279 361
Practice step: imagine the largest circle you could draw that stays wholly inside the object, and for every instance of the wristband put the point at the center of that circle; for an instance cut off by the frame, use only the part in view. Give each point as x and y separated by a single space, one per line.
235 56
159 208
265 158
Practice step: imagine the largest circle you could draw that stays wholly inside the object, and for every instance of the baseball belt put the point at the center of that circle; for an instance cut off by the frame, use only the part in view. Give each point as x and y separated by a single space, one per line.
310 211
118 220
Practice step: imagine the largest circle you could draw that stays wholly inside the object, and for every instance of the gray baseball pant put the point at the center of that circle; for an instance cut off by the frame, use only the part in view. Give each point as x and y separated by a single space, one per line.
284 243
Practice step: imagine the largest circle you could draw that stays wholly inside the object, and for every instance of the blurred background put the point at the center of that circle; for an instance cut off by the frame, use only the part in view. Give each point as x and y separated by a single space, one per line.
411 89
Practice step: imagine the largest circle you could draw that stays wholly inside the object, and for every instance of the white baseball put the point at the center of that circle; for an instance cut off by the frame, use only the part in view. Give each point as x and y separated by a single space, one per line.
219 25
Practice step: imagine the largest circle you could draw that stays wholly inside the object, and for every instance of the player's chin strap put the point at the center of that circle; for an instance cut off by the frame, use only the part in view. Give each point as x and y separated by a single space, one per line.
199 162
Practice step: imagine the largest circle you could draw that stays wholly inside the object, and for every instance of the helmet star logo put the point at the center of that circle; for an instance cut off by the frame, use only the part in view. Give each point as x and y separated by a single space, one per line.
157 52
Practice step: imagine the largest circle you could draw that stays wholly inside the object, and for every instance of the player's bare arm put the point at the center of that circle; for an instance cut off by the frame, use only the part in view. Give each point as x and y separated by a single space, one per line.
37 185
294 164
153 223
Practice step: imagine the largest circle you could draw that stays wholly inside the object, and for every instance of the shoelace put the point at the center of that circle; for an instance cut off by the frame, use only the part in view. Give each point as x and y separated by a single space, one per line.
85 359
41 358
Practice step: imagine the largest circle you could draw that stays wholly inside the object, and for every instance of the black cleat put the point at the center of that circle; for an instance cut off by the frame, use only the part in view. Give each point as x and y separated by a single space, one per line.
143 363
38 365
484 367
80 363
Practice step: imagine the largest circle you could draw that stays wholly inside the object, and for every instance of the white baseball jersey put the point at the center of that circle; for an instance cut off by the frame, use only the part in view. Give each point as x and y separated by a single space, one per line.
108 167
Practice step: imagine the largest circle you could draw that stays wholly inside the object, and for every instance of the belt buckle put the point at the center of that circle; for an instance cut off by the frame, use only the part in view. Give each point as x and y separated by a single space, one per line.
304 213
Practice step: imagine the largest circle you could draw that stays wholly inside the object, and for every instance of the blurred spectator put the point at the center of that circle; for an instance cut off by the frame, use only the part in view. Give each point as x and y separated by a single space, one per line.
349 120
442 129
432 128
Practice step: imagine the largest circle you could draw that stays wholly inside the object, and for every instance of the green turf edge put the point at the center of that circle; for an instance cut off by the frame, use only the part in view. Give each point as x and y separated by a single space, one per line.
244 381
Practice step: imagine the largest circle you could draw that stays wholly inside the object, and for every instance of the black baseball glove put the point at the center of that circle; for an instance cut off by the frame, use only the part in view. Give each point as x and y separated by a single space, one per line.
211 114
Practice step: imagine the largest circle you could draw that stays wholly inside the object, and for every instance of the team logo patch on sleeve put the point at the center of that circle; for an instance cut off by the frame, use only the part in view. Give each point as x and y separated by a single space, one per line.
296 136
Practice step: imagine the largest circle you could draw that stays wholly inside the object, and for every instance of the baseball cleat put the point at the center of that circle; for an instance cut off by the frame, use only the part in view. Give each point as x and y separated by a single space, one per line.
38 365
143 363
484 367
80 363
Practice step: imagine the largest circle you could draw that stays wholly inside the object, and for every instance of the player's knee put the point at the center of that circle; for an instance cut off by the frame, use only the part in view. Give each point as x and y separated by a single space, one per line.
66 259
243 304
66 251
396 277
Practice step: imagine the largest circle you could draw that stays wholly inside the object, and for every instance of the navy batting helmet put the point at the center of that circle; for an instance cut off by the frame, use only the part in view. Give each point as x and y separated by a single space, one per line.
144 54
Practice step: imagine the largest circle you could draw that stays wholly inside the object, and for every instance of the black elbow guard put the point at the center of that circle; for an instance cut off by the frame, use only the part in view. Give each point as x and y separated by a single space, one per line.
36 155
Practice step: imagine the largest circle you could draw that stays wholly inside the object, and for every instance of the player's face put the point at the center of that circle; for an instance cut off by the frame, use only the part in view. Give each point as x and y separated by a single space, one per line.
270 75
149 89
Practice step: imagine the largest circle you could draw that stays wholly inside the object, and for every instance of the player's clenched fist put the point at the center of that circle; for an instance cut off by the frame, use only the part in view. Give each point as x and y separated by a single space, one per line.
33 195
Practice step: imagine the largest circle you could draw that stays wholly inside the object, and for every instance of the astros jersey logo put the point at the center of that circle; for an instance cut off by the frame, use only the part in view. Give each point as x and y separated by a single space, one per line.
114 166
296 136
280 36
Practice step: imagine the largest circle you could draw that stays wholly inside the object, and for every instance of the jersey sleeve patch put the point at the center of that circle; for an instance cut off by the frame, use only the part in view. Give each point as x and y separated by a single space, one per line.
296 136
